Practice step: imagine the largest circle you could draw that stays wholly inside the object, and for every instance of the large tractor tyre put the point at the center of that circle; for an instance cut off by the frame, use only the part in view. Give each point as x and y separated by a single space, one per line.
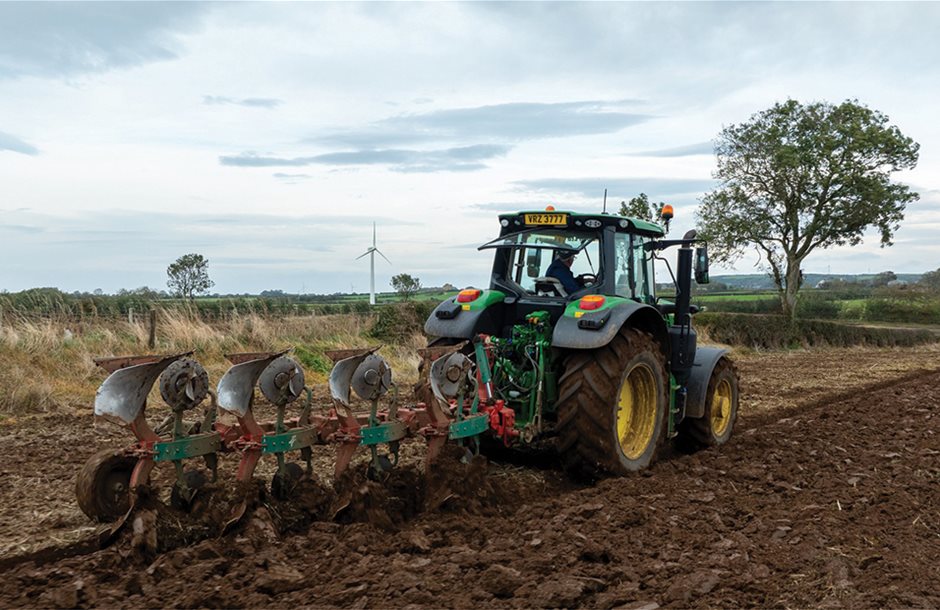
721 411
103 485
612 406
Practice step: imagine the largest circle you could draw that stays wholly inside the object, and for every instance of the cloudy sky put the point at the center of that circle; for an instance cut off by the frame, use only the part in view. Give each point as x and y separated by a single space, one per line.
268 137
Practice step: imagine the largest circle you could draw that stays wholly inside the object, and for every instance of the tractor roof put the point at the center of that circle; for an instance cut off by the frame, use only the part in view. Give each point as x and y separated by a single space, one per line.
563 219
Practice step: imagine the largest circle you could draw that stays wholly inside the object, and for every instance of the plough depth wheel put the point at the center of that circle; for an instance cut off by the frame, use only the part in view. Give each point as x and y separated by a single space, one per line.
103 485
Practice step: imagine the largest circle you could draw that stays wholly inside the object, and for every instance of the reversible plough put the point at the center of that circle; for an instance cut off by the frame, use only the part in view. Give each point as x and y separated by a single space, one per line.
460 407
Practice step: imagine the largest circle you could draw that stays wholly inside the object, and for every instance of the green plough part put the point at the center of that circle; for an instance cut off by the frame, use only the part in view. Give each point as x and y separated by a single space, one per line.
387 432
471 426
287 441
187 447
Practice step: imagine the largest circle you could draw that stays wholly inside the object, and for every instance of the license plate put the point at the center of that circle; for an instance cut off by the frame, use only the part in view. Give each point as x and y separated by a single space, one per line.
546 219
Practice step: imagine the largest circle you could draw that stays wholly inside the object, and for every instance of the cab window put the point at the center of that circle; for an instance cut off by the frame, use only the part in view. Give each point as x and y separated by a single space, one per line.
634 277
531 252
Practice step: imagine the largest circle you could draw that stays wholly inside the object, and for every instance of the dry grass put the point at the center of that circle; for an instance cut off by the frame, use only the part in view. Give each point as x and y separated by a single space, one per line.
49 365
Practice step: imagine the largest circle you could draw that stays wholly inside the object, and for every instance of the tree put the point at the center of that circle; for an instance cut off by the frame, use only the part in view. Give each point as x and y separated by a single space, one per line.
405 285
144 292
797 177
189 276
931 280
640 207
883 279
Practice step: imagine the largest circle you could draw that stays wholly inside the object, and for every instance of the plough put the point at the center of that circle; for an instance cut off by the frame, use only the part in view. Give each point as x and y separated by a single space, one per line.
462 409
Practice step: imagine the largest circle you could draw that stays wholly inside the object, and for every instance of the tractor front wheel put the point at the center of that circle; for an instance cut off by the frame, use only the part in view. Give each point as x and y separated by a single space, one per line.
612 406
721 410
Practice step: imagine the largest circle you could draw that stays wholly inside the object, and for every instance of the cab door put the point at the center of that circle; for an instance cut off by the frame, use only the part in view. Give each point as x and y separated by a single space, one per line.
634 276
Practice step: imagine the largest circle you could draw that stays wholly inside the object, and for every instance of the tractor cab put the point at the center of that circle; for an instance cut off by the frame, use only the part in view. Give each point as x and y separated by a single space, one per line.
608 256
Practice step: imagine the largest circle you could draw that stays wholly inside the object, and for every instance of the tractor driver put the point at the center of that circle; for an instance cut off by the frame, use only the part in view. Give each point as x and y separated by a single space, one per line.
560 269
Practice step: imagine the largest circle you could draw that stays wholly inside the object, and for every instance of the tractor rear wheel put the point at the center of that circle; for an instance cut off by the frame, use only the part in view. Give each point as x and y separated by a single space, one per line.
612 406
103 485
721 410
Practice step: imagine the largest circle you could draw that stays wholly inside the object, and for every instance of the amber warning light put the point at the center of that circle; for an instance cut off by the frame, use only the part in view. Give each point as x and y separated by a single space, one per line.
591 302
667 212
466 296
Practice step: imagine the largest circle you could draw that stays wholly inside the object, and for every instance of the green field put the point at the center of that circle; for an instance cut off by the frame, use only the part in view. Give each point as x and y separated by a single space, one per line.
735 296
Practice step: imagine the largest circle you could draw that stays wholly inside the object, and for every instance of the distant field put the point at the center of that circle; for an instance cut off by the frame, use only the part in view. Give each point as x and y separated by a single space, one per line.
340 299
341 303
900 305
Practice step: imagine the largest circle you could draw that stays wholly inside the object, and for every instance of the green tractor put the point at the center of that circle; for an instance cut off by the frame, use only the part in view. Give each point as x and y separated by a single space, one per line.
589 356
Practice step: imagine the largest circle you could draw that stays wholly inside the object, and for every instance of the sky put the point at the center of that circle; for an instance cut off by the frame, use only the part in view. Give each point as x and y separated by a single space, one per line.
269 137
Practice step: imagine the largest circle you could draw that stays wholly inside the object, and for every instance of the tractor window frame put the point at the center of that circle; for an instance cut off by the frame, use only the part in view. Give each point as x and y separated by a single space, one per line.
518 239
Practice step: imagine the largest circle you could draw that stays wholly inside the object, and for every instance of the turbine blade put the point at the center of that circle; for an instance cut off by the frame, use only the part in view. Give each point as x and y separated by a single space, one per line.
373 234
383 256
367 252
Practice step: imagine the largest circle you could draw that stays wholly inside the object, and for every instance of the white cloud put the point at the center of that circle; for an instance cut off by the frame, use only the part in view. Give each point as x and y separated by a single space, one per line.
69 38
132 105
15 144
248 102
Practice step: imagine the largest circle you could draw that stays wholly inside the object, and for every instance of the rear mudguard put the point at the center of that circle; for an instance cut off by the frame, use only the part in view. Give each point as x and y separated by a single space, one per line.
705 360
593 329
467 320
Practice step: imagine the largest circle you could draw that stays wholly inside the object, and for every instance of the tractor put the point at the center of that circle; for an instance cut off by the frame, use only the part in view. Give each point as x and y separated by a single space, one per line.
609 370
595 364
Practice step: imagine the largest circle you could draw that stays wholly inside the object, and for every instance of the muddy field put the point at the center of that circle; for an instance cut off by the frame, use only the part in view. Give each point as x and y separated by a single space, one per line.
827 496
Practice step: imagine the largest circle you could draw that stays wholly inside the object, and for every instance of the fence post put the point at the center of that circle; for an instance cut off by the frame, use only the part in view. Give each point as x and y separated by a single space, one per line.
152 341
130 315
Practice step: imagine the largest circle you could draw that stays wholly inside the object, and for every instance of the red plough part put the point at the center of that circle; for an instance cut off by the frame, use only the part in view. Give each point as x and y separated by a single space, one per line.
106 484
457 409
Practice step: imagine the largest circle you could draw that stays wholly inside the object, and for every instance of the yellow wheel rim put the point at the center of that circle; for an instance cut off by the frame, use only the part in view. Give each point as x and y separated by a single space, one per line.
721 408
636 411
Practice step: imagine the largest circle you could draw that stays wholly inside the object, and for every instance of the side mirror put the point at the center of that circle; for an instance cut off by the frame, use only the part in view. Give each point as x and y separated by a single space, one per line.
533 262
701 265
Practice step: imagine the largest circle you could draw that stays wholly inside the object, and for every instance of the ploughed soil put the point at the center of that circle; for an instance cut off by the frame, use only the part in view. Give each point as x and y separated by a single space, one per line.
828 495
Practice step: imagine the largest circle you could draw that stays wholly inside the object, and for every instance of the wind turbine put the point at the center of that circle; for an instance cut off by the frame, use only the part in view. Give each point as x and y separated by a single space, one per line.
371 252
